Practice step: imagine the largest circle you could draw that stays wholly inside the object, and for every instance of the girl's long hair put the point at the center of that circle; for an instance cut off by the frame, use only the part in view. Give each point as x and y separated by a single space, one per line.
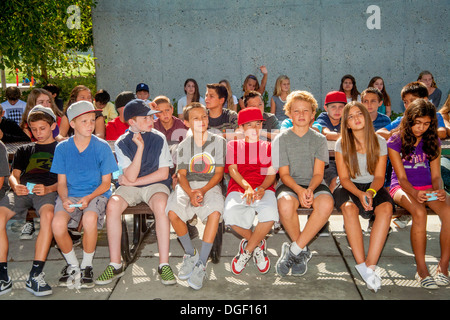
386 97
354 91
196 97
277 88
31 103
417 109
349 142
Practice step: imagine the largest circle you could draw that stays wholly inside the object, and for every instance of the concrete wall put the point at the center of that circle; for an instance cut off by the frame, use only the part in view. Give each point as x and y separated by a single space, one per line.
314 42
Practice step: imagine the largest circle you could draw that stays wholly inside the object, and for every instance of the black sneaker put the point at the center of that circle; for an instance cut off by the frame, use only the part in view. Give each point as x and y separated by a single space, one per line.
5 286
87 278
70 275
37 285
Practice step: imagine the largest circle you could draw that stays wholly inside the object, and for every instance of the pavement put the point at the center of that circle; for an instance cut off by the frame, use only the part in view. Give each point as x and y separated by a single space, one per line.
331 274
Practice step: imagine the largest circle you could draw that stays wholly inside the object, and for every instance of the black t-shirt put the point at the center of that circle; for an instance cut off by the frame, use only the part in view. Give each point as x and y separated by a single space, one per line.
35 161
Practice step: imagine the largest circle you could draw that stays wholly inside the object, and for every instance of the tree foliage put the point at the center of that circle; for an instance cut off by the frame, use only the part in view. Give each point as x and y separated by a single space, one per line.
41 36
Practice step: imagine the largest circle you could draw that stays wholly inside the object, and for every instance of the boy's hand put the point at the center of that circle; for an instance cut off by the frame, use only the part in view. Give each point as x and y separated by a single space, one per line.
137 139
123 181
259 193
196 197
305 197
66 205
249 194
40 190
21 190
84 202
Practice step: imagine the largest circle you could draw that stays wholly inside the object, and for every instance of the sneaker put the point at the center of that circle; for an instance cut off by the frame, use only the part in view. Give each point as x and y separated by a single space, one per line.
37 285
109 275
75 235
195 281
5 286
240 261
27 231
70 276
325 231
189 263
87 278
402 221
300 266
242 246
285 261
260 258
166 274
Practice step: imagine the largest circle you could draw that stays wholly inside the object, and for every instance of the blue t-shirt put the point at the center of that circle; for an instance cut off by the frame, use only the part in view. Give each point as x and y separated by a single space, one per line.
84 170
394 124
324 121
381 121
156 153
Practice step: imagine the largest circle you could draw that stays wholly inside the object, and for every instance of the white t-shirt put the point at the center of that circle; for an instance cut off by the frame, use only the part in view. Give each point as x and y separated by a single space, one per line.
14 112
182 102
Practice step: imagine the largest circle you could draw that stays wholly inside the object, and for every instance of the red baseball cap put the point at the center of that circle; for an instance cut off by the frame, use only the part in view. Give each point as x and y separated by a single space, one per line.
249 114
335 96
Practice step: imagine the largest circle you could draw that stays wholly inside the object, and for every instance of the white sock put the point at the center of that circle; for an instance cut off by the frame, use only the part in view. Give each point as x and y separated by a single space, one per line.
115 265
163 264
87 260
71 258
295 249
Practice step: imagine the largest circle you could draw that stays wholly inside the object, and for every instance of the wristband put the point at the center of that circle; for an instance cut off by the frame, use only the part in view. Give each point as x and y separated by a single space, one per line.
373 190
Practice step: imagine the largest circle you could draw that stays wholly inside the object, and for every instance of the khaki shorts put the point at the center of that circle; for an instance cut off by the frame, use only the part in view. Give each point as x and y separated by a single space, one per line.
135 195
97 205
180 203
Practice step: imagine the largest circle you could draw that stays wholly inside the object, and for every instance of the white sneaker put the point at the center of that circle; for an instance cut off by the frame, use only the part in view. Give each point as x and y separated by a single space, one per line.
402 221
188 265
195 281
260 258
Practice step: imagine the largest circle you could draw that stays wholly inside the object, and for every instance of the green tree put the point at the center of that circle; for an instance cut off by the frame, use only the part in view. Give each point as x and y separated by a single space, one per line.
41 36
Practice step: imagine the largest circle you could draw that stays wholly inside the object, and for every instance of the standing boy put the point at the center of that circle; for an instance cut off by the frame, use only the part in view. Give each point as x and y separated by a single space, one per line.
33 186
250 190
200 167
84 164
372 99
300 154
144 158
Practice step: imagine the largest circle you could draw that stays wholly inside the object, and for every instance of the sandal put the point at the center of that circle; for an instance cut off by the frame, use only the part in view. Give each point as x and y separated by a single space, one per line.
441 279
427 282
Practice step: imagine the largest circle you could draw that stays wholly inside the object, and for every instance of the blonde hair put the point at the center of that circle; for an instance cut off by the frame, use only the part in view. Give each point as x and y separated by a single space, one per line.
230 102
277 89
162 99
348 142
300 96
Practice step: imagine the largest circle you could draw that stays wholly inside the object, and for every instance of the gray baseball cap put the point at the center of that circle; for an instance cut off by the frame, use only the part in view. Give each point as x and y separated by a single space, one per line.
79 108
40 108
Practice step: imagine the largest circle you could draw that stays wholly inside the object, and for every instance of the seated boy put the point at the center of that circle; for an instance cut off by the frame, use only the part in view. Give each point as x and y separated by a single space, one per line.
250 190
33 186
221 121
300 154
10 130
144 158
331 128
409 93
200 167
270 126
84 164
117 127
13 106
372 99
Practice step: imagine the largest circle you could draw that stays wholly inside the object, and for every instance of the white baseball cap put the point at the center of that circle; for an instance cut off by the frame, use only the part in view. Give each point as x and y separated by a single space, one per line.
79 108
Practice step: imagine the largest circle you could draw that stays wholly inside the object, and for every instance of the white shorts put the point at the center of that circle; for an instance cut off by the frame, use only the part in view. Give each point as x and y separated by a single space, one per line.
237 212
180 203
